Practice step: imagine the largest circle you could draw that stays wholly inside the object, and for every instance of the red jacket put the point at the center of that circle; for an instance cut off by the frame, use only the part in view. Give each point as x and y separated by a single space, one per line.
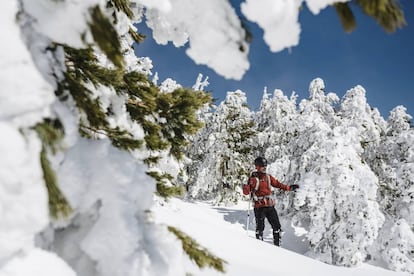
262 194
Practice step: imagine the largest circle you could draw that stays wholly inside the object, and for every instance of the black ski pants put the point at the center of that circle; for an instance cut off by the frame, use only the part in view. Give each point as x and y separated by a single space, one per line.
271 215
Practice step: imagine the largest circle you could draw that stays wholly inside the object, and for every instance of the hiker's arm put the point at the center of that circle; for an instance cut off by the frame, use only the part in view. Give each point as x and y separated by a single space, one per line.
247 188
277 184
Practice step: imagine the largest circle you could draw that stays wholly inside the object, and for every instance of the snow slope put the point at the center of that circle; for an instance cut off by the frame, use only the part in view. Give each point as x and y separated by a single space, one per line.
222 231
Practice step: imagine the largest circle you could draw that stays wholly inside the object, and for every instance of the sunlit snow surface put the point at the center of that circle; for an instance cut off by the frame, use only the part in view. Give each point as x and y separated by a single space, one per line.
222 230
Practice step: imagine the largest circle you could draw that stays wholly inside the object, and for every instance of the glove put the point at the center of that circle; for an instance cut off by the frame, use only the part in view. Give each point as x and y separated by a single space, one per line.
294 187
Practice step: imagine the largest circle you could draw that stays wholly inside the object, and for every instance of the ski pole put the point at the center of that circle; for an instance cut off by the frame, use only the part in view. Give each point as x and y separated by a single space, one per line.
248 217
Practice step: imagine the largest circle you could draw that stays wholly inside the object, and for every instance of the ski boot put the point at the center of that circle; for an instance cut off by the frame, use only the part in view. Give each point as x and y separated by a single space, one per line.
276 237
259 235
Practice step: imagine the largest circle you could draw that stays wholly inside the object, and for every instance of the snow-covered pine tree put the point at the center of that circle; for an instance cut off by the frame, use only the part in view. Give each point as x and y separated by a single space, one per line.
312 132
276 125
198 142
196 152
336 202
236 160
396 193
356 112
388 151
311 123
316 118
226 161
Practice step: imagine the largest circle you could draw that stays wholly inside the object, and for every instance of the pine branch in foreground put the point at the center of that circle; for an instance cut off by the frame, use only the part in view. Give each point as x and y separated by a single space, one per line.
201 256
163 189
51 133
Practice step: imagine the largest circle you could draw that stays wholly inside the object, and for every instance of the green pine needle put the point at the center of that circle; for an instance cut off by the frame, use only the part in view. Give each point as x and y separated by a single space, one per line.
163 189
201 256
51 133
123 5
59 207
137 37
106 36
346 16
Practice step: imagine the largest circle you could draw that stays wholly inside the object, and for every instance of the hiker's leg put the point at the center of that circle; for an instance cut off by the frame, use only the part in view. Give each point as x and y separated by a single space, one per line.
273 219
260 223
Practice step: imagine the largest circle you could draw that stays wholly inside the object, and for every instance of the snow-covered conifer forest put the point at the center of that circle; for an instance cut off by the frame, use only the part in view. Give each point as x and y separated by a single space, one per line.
91 141
355 170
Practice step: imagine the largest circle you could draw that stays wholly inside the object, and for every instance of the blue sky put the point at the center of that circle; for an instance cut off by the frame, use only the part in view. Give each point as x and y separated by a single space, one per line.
382 63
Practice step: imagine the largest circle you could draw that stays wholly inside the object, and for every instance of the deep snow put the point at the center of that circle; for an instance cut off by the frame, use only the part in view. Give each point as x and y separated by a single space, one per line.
222 230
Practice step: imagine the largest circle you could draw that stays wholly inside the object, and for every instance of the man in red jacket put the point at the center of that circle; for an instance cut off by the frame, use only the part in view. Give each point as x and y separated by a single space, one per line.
259 187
